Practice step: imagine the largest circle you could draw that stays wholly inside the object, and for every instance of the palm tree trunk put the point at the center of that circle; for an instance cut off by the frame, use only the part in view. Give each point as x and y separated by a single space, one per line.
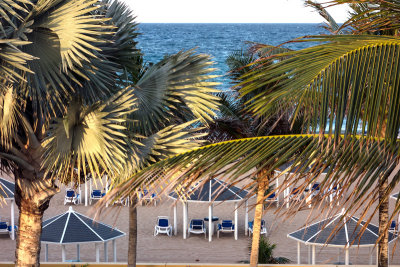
132 233
257 225
32 201
383 222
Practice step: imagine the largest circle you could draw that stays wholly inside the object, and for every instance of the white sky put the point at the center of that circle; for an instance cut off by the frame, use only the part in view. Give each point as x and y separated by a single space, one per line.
229 11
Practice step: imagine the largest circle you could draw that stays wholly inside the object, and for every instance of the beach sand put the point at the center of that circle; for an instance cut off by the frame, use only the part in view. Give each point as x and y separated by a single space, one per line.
195 249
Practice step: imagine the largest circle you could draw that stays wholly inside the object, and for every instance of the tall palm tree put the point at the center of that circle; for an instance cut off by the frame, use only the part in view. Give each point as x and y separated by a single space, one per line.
347 90
63 111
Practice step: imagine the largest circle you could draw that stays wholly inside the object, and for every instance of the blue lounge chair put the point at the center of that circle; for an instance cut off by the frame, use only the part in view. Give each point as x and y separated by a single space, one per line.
163 226
197 226
226 226
315 189
3 228
95 195
272 198
71 197
263 227
146 196
393 227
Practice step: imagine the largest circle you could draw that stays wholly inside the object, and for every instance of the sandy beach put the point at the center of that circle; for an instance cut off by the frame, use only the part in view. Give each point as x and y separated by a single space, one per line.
195 249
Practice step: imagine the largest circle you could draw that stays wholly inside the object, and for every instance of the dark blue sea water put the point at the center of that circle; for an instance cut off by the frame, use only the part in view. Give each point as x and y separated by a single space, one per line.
217 40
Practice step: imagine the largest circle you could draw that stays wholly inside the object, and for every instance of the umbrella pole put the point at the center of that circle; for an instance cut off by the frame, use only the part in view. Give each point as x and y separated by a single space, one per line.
86 193
115 250
97 252
46 253
12 220
63 253
309 254
236 221
298 253
175 219
313 255
105 252
347 259
184 219
78 252
370 255
246 219
210 224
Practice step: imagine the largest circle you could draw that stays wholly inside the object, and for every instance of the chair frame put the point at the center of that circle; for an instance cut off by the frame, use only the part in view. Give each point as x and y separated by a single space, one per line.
74 200
263 228
197 231
225 229
163 229
272 198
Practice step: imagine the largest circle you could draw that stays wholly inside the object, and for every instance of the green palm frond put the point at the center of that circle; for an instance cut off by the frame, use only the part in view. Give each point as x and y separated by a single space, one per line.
89 138
177 81
332 25
352 78
13 60
10 14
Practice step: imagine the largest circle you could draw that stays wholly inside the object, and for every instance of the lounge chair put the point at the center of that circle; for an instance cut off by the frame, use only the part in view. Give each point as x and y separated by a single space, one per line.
315 189
71 197
95 195
163 226
272 198
333 192
145 196
197 226
393 227
226 226
263 227
4 228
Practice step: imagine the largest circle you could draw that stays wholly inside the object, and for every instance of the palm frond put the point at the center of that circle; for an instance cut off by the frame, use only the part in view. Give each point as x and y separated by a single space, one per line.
89 138
177 86
332 26
9 113
345 81
10 14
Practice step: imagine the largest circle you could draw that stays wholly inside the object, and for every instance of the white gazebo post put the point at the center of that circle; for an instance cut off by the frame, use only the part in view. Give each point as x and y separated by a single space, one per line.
114 250
313 255
90 186
78 252
347 258
12 220
46 253
246 218
287 197
175 218
63 253
105 252
298 253
210 222
86 192
377 256
106 191
185 219
236 221
97 252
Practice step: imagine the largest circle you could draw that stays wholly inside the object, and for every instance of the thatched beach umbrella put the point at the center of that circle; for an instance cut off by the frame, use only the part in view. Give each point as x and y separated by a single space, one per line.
338 231
74 228
7 190
214 191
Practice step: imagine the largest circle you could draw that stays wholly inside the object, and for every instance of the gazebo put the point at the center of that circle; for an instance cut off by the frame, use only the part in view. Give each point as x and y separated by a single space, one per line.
337 231
214 191
7 190
74 228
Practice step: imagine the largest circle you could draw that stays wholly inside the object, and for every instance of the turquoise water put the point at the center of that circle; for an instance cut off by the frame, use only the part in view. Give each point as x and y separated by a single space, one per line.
217 40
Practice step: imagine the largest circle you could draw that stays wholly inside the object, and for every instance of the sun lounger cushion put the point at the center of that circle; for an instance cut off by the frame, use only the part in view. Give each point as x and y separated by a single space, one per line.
96 193
393 225
197 224
315 186
3 225
163 223
70 193
271 196
226 224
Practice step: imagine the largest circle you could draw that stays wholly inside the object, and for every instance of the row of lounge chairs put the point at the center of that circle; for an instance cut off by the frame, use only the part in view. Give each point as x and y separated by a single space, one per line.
71 197
198 226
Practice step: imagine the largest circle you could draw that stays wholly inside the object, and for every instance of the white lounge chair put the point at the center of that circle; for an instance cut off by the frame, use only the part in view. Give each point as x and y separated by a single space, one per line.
71 197
263 227
272 198
163 226
197 226
145 196
95 195
226 226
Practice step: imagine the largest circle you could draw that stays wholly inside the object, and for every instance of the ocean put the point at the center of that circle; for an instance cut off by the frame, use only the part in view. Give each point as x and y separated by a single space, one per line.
217 40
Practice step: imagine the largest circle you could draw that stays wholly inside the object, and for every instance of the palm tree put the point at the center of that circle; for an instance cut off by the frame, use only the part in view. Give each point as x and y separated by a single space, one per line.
235 122
346 89
63 111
